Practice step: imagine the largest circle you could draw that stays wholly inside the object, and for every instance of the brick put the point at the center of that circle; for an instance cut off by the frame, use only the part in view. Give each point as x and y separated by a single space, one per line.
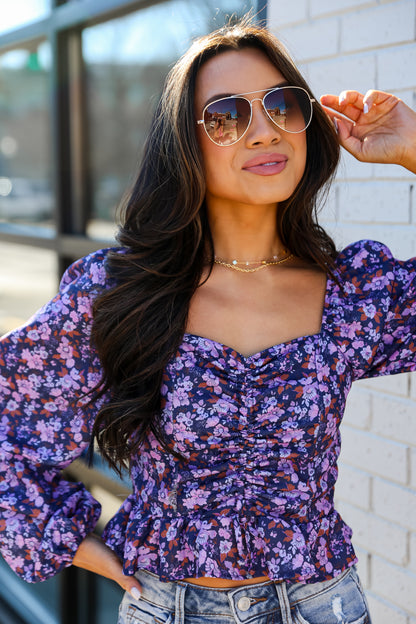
395 503
374 454
358 410
378 26
396 68
400 239
345 234
375 534
333 75
413 468
350 168
280 13
383 612
363 566
394 418
353 486
393 172
391 384
375 202
312 40
394 584
408 97
323 7
331 227
328 212
412 565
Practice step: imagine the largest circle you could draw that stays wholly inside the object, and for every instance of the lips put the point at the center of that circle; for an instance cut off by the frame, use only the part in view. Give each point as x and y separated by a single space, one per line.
266 164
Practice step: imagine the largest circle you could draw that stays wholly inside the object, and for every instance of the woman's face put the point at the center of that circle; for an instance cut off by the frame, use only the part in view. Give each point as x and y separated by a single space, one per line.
231 174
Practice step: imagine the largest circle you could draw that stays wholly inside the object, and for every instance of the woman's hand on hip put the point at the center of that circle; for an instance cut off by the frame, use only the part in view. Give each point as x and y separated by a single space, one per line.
95 556
375 127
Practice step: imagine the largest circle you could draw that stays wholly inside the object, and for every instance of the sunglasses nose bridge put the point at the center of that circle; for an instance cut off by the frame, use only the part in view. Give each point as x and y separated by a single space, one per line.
261 100
263 109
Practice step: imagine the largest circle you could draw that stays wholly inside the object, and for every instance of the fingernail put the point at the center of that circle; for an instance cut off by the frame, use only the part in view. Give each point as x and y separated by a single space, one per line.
366 108
135 593
342 97
335 124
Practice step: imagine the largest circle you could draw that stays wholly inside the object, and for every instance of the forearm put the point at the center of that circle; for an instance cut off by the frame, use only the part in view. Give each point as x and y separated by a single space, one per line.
93 555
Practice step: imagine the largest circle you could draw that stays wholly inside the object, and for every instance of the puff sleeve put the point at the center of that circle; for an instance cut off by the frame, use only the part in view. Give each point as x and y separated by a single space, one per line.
47 367
376 312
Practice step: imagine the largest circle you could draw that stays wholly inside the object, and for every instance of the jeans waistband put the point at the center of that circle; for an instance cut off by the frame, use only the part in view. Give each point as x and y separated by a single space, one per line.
246 601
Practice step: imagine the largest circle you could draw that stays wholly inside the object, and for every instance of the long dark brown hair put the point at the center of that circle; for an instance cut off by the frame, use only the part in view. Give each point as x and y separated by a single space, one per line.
164 237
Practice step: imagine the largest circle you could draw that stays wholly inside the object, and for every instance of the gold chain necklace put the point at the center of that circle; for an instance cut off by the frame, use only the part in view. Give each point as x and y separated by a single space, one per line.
262 263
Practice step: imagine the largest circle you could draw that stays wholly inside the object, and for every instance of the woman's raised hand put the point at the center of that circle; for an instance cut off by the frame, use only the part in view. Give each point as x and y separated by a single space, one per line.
375 127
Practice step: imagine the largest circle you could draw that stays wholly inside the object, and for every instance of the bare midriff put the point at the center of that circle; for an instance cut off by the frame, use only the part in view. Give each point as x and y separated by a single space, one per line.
207 581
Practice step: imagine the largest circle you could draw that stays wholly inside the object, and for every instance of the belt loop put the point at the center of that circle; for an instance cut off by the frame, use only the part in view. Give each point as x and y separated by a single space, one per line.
180 604
284 603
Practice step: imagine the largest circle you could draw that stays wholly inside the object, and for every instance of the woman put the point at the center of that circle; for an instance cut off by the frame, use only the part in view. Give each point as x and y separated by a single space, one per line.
231 443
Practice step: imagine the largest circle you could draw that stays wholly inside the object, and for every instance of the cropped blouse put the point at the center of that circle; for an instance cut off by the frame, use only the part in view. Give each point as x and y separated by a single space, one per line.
259 435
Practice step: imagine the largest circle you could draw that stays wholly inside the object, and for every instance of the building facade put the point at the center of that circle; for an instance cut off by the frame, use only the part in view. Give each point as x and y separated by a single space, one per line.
359 44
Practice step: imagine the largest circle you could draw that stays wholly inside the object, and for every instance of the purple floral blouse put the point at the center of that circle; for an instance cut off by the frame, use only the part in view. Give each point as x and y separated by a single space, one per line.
260 435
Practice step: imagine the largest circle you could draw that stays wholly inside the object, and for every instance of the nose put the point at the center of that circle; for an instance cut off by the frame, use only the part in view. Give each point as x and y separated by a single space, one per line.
262 130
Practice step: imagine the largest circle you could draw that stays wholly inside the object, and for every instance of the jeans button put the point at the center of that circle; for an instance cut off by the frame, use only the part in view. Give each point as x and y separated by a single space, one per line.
244 603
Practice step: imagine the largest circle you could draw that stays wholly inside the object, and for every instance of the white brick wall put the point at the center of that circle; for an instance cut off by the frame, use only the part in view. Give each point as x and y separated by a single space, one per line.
342 44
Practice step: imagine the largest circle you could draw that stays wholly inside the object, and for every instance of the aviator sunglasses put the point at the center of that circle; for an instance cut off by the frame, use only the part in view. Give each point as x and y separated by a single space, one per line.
227 119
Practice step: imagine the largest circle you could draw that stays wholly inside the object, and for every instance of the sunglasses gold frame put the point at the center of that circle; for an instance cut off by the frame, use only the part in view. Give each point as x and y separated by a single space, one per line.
241 95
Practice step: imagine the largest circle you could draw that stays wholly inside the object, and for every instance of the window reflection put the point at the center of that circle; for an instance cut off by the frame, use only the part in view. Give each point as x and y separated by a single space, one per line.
17 13
126 61
25 156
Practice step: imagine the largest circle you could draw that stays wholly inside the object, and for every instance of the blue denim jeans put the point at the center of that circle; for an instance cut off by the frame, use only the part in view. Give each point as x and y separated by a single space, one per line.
338 601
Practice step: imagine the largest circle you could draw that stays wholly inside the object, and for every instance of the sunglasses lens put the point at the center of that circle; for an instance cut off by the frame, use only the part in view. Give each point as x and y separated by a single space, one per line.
227 119
289 107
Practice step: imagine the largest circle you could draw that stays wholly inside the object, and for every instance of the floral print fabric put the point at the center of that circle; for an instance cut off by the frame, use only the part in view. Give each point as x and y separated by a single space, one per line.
259 435
46 369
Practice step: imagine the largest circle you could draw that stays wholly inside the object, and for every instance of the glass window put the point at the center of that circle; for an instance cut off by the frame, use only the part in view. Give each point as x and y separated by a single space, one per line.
27 281
17 13
126 62
25 144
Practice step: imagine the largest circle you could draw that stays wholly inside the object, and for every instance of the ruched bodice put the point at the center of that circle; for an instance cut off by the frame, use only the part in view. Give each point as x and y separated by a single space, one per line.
258 465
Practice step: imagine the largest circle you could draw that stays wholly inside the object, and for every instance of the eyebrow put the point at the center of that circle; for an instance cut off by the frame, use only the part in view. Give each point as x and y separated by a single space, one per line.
219 96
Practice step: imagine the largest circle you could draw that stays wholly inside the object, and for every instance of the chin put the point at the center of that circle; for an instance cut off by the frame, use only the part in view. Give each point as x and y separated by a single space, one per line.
261 199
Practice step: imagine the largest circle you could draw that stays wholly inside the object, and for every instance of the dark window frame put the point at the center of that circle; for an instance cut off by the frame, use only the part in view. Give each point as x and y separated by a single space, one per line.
63 29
